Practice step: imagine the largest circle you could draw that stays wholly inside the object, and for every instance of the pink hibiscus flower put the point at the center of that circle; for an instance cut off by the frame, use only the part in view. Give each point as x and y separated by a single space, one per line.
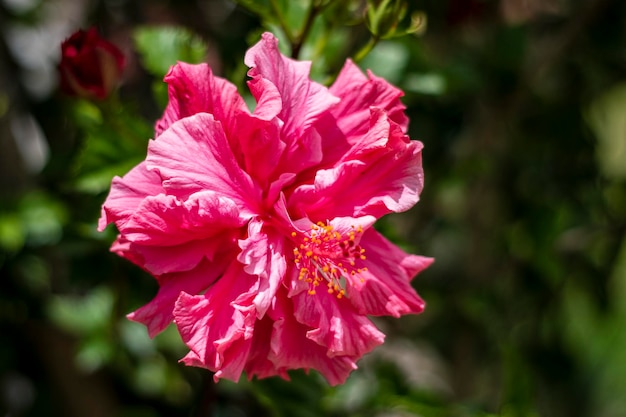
258 225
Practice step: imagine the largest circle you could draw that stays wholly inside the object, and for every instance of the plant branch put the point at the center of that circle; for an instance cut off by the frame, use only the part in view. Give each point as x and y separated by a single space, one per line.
366 49
308 24
315 9
282 22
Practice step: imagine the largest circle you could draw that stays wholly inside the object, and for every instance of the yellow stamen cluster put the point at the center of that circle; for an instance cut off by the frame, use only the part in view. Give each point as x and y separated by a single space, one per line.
329 257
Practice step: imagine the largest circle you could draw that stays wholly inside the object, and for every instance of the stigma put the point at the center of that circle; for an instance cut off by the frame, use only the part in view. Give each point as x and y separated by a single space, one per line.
328 258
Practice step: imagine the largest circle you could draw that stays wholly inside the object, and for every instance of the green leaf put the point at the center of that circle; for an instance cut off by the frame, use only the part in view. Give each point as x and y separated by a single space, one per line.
111 146
82 315
12 232
161 47
388 60
430 83
95 182
43 217
261 8
606 118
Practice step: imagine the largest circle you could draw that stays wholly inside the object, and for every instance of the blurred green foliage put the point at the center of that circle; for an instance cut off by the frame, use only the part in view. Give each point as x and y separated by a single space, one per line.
521 106
160 47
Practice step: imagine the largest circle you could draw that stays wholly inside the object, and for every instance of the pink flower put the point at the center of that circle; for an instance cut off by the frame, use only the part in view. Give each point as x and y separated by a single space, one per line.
258 225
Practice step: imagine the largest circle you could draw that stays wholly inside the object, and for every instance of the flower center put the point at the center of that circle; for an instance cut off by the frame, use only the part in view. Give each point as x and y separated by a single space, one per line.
329 257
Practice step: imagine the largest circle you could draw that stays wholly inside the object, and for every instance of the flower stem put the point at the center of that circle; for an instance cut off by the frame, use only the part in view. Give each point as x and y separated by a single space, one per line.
314 10
282 22
208 397
366 49
308 24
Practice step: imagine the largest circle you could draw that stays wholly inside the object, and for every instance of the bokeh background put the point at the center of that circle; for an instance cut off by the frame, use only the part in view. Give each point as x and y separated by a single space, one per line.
521 106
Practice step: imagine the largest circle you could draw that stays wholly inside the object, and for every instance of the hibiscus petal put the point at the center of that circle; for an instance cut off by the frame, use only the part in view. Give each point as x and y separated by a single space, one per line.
218 326
194 155
348 122
341 225
269 101
127 193
386 288
158 313
261 147
382 174
259 136
123 248
336 325
160 260
358 93
262 254
258 364
194 89
163 220
167 235
303 101
292 348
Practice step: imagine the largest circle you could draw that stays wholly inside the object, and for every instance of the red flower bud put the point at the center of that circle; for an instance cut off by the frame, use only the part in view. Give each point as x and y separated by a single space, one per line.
90 66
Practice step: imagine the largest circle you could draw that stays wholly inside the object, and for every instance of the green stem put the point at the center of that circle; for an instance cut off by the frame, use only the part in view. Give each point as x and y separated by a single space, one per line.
112 113
308 24
366 49
315 9
282 22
